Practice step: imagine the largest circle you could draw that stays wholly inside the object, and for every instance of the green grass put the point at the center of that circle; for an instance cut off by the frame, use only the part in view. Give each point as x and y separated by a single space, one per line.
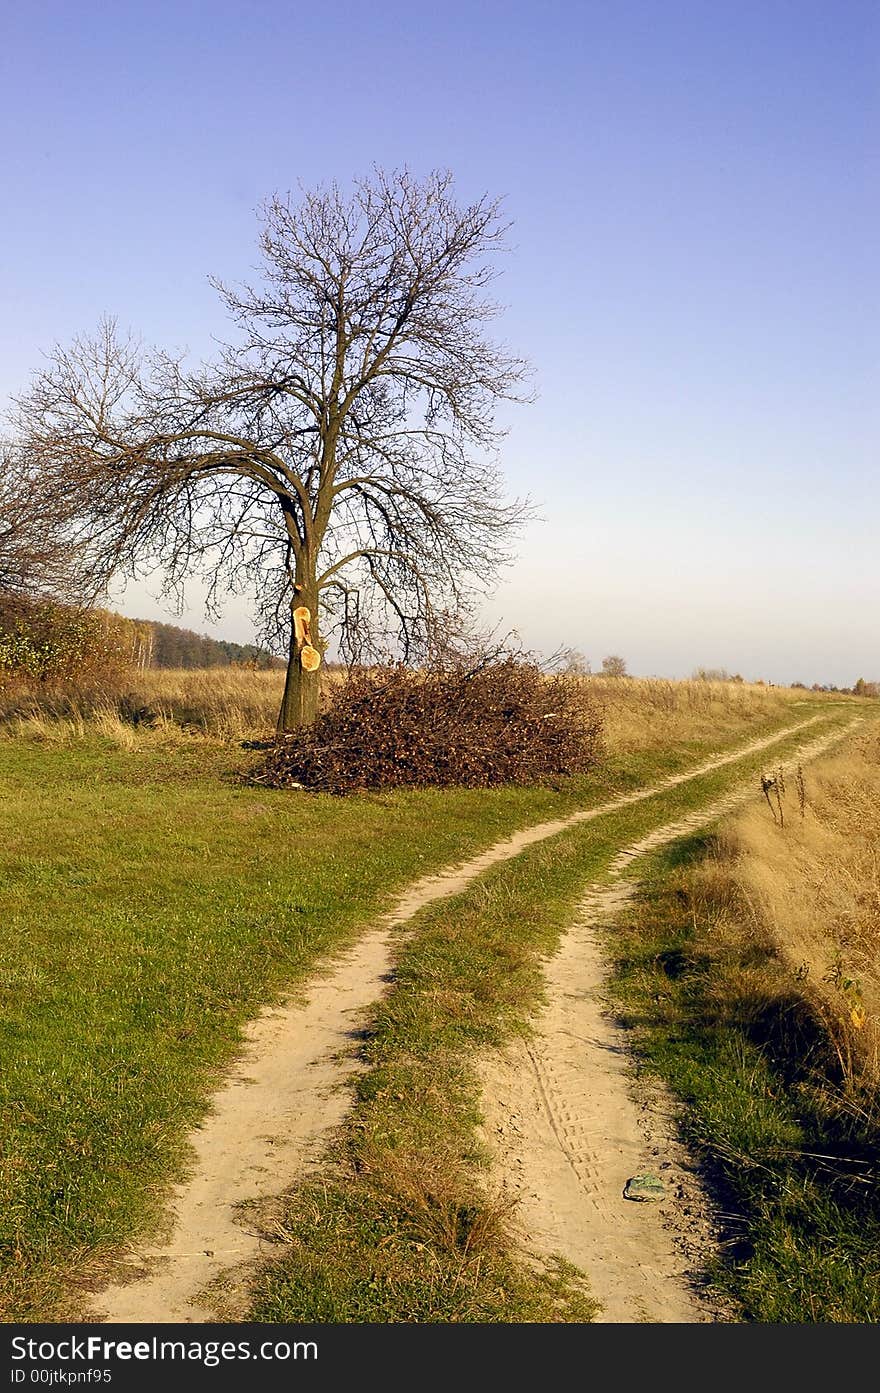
151 904
405 1191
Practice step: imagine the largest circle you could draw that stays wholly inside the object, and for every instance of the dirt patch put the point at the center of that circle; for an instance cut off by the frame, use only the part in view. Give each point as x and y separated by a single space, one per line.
566 1136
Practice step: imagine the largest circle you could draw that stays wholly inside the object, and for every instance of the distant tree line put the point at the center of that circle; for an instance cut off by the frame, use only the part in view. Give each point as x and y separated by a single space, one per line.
861 688
158 645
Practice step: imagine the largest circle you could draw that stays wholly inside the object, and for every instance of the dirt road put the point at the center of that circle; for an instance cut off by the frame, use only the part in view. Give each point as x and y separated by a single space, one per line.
268 1123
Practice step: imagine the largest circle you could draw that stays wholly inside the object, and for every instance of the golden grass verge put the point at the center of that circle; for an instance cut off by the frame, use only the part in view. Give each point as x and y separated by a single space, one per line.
649 712
237 704
806 887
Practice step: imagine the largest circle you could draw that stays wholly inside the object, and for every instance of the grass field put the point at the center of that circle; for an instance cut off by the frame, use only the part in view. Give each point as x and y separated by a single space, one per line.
236 704
151 903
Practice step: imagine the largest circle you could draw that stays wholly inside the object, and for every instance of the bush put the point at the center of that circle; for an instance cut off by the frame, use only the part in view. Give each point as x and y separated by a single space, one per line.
47 643
501 722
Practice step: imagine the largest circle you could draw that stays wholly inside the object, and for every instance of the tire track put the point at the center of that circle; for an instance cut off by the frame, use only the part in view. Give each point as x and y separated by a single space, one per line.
567 1133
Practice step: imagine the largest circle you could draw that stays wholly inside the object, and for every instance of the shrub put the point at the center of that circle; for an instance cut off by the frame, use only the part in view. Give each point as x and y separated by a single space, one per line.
48 643
501 722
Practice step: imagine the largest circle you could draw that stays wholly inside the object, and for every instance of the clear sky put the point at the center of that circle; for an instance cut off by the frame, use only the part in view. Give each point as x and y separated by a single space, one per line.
694 191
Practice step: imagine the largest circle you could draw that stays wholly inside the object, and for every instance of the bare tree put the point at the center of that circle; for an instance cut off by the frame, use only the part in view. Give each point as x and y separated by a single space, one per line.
336 459
38 555
614 666
572 662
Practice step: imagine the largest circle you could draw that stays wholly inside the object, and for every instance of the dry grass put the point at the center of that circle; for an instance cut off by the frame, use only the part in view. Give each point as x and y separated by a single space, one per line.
808 888
227 703
234 703
239 704
436 1203
647 713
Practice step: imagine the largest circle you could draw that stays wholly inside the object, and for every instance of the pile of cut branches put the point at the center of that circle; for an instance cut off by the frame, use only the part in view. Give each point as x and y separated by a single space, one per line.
497 722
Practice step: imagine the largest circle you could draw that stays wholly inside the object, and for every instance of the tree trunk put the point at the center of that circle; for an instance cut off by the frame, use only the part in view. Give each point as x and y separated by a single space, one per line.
299 705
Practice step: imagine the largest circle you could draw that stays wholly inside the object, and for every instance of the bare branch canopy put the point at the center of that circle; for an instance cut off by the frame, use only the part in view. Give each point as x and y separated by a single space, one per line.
337 455
39 556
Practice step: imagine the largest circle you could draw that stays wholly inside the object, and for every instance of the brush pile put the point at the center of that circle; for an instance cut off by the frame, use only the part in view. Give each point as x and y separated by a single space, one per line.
499 722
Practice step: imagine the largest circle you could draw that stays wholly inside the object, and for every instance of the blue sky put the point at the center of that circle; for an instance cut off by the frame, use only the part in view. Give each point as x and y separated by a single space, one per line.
693 273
